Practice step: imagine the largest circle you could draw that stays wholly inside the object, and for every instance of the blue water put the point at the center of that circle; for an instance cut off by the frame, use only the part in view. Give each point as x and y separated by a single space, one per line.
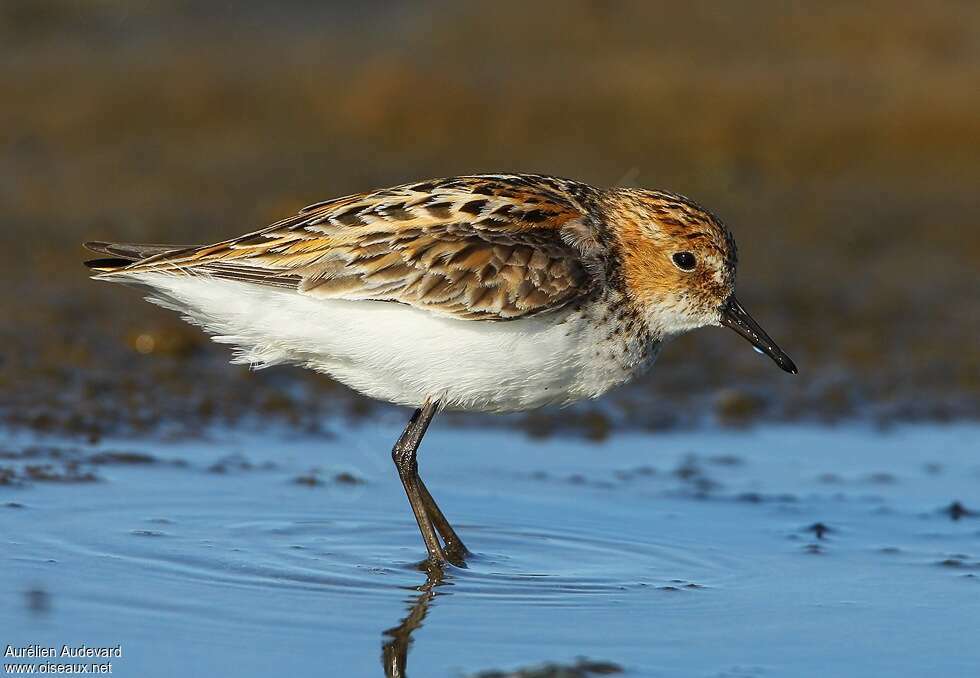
679 554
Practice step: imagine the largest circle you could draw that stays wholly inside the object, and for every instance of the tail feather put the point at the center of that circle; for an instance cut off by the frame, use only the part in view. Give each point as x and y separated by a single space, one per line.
123 254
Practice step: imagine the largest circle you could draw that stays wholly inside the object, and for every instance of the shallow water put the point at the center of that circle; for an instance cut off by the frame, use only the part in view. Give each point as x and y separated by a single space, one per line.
680 554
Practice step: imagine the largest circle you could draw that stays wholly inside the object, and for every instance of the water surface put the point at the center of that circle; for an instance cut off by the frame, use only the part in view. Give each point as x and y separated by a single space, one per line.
777 551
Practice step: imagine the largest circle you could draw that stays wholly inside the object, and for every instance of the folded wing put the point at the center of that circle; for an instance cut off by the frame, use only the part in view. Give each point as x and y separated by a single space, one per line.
479 248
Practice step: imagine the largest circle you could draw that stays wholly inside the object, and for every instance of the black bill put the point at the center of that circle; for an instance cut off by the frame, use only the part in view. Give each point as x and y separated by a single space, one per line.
734 316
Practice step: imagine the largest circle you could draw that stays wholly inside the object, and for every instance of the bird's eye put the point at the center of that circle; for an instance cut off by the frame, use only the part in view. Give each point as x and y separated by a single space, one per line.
685 261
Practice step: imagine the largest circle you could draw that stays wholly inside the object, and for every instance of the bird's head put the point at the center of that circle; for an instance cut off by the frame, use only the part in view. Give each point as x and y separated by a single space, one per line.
678 262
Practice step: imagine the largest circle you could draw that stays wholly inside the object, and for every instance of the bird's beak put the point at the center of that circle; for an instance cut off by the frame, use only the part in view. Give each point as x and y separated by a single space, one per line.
735 317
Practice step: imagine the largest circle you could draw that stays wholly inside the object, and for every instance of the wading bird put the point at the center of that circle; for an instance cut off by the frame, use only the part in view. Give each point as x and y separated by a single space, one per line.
493 293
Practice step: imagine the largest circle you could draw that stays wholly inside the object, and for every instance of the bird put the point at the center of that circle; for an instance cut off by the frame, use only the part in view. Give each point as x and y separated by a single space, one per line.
486 293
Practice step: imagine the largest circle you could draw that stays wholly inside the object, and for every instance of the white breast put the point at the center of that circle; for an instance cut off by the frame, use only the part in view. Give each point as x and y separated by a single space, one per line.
404 355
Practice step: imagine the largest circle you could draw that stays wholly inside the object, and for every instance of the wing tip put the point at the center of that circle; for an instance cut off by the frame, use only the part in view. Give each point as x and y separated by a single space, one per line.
103 265
100 246
107 264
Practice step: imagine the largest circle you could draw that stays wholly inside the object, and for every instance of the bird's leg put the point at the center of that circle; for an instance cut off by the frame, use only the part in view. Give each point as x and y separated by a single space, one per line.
455 548
403 454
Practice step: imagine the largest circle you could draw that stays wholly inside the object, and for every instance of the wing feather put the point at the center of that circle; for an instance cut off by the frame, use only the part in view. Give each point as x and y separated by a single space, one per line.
492 247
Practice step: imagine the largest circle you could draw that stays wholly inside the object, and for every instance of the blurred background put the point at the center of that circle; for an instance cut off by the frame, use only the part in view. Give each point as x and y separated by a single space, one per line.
840 141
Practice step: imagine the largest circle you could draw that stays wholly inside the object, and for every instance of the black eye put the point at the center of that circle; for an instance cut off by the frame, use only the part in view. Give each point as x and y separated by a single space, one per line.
685 261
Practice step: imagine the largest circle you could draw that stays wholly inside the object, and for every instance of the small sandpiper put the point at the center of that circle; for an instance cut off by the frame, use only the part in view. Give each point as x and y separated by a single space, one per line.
493 293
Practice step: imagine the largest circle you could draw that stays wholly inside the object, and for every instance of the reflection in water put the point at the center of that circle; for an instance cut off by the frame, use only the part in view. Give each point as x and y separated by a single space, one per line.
394 651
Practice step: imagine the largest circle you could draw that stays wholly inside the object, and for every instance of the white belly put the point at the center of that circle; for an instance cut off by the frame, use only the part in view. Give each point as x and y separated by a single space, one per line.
400 354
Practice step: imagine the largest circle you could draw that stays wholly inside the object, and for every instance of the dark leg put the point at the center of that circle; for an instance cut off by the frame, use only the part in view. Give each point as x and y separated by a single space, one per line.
403 454
455 548
427 513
